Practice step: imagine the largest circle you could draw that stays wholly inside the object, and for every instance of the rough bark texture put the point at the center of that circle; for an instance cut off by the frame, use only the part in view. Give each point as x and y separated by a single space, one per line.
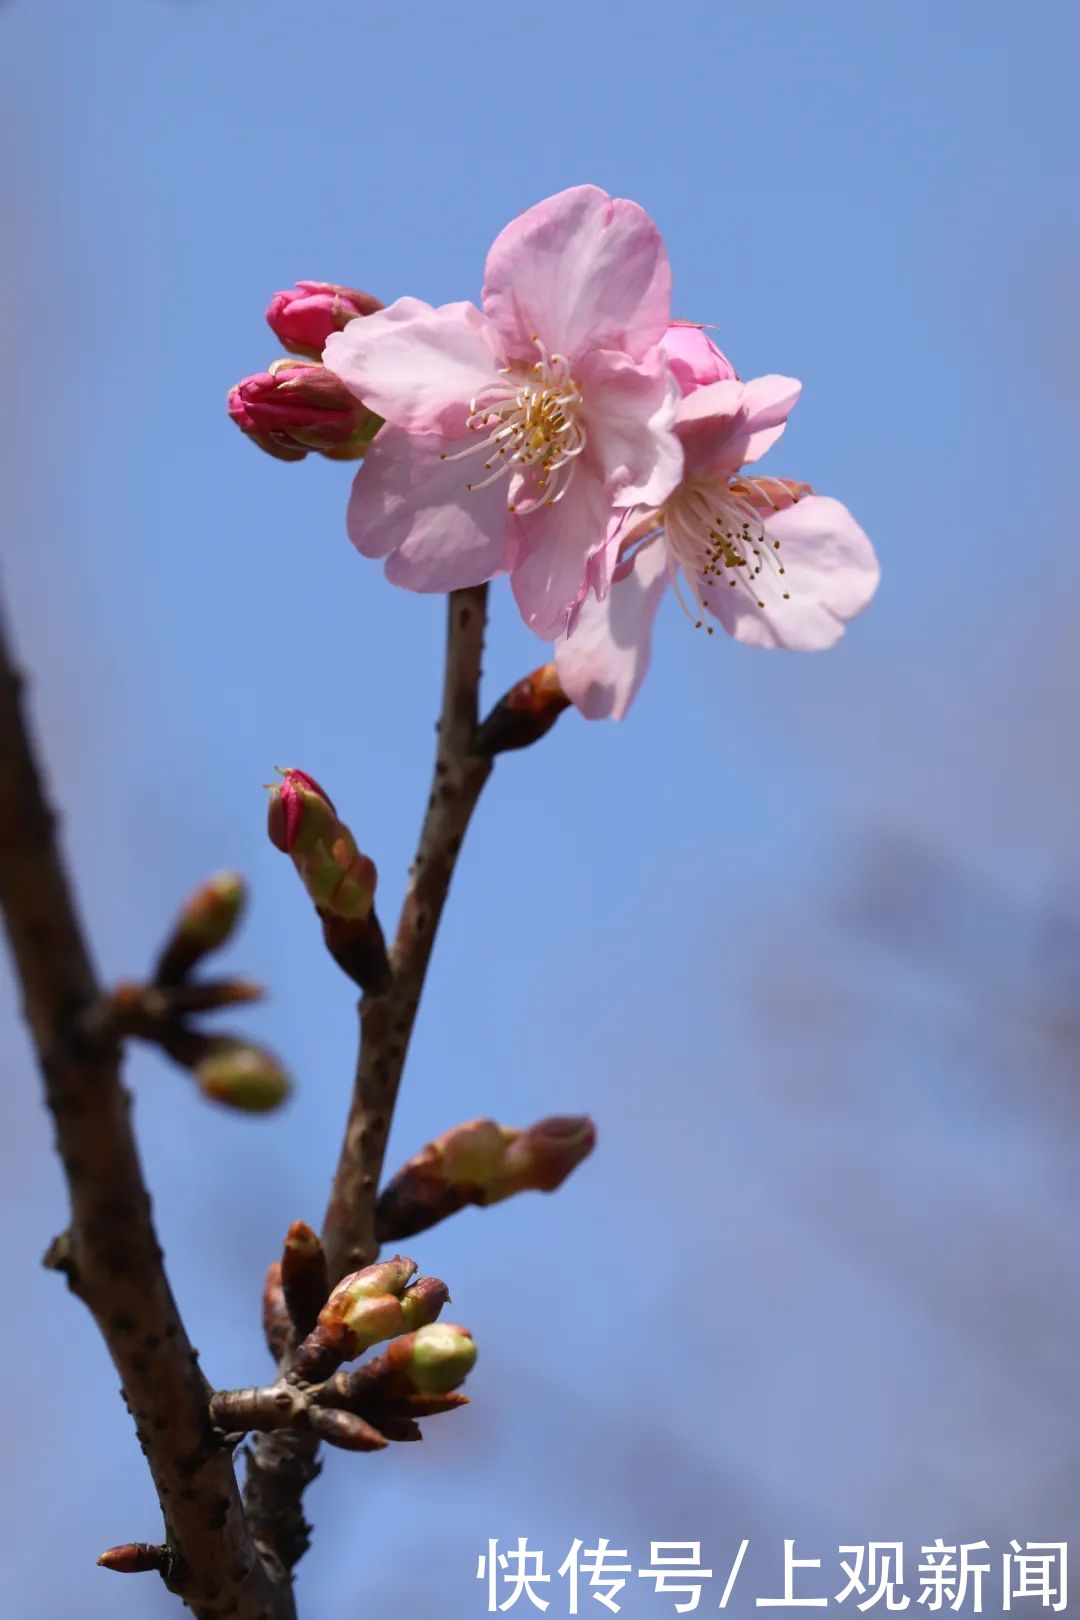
110 1253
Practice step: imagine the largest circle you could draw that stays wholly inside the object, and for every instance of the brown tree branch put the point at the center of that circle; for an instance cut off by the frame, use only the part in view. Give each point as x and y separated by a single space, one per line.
274 1406
110 1252
280 1467
387 1019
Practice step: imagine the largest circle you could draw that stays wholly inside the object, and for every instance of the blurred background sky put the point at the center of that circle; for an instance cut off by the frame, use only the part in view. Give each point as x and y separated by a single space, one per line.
801 934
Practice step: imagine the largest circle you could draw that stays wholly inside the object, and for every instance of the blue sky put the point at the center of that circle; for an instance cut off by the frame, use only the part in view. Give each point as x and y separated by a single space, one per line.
817 1280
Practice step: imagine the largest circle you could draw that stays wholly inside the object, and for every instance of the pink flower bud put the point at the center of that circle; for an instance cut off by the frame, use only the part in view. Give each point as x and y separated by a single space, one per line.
304 317
302 822
299 406
694 358
300 813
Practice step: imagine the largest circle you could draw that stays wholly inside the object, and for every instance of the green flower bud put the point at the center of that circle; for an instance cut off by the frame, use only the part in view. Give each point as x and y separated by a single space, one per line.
207 920
480 1162
437 1359
422 1302
242 1076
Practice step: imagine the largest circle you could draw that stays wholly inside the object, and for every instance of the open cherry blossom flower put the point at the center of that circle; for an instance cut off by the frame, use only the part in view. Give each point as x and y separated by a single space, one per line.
777 565
515 435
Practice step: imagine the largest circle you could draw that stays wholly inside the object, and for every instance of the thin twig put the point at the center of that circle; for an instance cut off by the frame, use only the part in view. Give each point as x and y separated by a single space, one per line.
110 1253
386 1020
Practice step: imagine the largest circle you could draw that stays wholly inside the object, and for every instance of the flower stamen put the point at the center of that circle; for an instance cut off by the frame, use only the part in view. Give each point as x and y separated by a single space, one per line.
531 424
716 535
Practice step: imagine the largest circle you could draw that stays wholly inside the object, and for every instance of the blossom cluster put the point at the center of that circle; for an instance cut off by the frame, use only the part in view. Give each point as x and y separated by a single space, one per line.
569 434
950 1575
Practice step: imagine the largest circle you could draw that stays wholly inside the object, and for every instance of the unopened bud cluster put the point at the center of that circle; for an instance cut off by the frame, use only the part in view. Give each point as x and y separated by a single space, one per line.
481 1162
365 1308
416 1376
298 405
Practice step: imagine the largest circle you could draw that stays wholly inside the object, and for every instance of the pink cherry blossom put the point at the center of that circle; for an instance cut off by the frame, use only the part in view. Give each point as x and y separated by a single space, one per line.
777 565
517 434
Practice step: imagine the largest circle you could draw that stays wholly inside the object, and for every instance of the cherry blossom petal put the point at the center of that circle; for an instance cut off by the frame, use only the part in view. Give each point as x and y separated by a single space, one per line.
556 545
625 528
724 425
582 271
603 662
694 358
830 571
766 405
418 367
410 505
630 414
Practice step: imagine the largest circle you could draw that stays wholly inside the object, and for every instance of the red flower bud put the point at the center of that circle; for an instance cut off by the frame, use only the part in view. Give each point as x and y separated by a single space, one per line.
304 317
299 406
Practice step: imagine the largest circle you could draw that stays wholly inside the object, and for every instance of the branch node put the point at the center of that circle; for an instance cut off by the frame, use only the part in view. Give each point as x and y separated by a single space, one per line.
60 1256
358 946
